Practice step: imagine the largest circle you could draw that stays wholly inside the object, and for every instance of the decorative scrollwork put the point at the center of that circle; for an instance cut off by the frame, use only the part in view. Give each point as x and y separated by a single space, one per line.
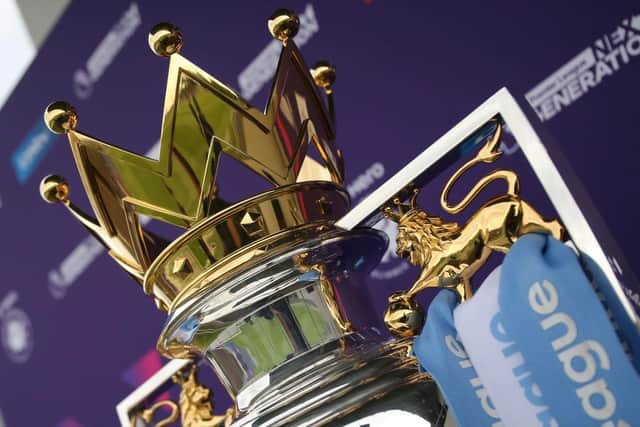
195 407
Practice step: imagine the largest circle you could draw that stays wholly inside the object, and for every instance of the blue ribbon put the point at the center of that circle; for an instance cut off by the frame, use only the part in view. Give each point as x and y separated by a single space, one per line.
441 353
553 314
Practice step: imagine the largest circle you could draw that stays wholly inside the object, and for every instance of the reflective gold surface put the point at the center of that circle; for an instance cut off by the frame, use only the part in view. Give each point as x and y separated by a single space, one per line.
165 39
448 254
54 189
324 74
242 232
148 414
60 117
194 408
327 291
203 121
283 24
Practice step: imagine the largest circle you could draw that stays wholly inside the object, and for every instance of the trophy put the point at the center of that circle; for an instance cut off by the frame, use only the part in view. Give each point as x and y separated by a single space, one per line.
268 291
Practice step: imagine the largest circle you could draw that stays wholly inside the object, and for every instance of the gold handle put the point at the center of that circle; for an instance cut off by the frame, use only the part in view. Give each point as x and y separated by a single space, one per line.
147 414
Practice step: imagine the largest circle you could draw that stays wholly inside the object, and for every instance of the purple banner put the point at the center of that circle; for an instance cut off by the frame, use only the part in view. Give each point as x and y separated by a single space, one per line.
78 334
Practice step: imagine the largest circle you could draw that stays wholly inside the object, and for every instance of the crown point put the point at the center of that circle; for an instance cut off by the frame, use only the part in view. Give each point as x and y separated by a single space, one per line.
54 189
324 74
60 117
283 24
165 39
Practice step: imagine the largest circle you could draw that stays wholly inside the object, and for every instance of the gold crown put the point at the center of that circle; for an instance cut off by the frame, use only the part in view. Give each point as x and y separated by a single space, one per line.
204 119
399 211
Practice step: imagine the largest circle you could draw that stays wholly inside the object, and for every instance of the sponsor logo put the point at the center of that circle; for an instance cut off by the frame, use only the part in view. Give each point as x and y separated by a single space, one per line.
34 147
74 264
85 78
16 331
262 69
31 150
364 181
606 56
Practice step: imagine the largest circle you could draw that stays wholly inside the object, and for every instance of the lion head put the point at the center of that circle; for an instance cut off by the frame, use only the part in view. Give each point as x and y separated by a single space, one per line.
419 235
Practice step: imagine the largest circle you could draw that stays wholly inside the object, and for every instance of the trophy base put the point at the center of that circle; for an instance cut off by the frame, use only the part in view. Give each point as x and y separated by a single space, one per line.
360 382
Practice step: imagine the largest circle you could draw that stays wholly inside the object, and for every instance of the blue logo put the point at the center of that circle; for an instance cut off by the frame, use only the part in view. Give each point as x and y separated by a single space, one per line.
31 151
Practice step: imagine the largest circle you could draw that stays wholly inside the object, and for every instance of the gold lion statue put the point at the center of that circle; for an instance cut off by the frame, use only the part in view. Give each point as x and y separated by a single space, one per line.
449 254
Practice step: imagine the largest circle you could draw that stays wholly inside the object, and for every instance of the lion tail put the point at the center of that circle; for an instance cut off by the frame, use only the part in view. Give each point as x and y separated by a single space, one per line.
513 188
489 153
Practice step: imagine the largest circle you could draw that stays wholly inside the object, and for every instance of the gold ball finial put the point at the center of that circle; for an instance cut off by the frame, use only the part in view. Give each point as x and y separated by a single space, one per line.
60 117
54 189
165 39
324 74
403 316
283 24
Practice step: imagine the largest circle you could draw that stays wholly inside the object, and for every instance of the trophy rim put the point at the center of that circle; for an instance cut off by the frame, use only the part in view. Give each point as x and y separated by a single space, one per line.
324 241
170 294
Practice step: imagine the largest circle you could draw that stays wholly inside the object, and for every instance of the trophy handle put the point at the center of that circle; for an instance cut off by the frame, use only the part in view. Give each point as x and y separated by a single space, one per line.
196 402
147 414
449 254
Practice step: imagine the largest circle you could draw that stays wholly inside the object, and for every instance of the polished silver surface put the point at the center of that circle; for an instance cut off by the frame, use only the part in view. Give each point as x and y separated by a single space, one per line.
357 378
294 339
257 320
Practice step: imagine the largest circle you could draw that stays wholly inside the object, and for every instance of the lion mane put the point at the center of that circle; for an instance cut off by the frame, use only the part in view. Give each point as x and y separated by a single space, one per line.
429 231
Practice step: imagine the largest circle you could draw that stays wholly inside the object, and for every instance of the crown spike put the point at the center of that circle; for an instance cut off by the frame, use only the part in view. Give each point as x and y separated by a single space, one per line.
283 24
165 39
60 117
55 189
324 75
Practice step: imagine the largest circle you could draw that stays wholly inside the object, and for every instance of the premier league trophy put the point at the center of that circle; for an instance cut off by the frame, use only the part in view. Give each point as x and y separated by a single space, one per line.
268 290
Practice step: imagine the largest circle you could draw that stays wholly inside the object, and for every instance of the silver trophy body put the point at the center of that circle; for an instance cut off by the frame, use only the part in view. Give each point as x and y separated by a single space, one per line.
272 336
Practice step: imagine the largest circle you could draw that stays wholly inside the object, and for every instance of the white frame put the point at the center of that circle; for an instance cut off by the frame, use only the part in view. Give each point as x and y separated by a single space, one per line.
157 380
504 104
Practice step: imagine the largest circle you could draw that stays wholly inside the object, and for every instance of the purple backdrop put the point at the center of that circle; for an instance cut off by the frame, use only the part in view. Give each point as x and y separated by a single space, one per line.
77 334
